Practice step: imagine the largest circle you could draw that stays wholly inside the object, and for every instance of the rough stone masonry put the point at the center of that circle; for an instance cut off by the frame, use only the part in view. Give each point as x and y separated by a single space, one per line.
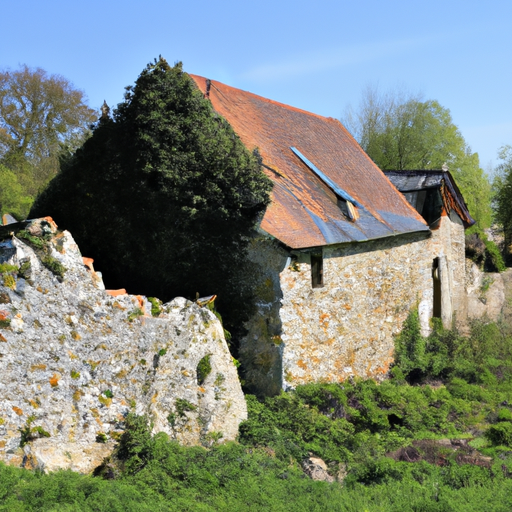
75 360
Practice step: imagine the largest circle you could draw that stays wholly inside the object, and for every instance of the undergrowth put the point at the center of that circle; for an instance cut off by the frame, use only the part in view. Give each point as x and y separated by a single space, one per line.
435 436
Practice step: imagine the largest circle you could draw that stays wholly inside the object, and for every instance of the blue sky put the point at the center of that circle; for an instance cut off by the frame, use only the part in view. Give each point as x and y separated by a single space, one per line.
315 56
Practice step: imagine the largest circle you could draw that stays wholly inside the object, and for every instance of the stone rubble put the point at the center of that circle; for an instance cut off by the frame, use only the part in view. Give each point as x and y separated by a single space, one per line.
75 360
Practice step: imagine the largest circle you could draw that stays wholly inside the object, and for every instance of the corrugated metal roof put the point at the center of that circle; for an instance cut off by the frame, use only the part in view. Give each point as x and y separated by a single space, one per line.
304 211
415 180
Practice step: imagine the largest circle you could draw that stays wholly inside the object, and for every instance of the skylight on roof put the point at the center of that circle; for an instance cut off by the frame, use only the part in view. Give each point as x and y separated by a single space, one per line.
351 202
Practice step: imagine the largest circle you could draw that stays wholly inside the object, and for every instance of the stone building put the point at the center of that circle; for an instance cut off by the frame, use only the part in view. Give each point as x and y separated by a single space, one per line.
341 256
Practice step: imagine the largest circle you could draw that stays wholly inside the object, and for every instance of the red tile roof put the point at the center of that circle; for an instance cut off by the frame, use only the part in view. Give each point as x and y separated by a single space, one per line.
304 211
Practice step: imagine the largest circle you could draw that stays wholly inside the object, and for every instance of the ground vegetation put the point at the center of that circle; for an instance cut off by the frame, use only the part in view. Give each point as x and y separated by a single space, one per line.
436 436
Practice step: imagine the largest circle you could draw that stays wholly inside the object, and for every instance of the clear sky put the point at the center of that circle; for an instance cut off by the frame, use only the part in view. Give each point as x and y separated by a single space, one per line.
317 56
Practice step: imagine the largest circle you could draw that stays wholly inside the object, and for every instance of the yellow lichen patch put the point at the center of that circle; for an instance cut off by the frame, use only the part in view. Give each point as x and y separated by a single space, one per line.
9 281
54 381
185 373
2 444
33 403
17 410
154 397
75 335
36 367
122 373
77 395
348 307
106 401
71 355
93 364
2 338
95 413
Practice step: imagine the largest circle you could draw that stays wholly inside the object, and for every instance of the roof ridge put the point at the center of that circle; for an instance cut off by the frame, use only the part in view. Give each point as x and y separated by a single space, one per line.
268 100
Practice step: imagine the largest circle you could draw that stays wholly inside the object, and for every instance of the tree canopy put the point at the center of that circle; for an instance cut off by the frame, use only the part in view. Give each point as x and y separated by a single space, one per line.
502 186
164 195
41 117
402 132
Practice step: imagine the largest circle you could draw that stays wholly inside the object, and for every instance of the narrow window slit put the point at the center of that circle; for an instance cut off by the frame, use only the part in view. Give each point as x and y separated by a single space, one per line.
317 270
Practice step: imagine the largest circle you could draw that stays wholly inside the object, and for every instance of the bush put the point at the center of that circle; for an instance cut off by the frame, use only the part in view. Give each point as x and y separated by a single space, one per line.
165 181
500 434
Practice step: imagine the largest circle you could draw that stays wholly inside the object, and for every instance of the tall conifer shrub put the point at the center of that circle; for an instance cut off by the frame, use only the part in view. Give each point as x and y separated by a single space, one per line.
164 195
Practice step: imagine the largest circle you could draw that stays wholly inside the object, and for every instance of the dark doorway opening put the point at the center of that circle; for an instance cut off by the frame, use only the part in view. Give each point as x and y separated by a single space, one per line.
436 277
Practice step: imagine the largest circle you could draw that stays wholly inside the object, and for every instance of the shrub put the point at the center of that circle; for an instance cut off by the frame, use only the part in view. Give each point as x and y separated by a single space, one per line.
500 434
165 181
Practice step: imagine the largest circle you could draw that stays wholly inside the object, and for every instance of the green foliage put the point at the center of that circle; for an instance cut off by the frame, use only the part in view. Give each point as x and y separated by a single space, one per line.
101 437
484 252
204 369
493 259
165 181
108 393
156 306
29 433
54 266
42 118
502 199
13 200
182 405
402 132
136 313
6 268
500 434
25 270
35 241
134 448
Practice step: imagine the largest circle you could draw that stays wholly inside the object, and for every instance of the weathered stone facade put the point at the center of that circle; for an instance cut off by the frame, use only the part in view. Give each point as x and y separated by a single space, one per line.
74 361
346 327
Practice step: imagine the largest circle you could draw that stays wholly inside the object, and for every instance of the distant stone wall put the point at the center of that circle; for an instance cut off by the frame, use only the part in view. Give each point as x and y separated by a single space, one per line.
346 328
74 361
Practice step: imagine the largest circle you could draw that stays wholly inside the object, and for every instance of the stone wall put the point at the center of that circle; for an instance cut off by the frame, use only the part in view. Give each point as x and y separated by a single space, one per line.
346 328
74 361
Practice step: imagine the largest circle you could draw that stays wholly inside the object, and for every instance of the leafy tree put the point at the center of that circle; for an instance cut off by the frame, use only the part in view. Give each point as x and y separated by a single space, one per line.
41 116
12 198
502 186
402 132
164 195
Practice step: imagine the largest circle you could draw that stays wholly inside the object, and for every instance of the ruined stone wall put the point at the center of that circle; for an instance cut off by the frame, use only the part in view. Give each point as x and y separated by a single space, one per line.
74 361
347 327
